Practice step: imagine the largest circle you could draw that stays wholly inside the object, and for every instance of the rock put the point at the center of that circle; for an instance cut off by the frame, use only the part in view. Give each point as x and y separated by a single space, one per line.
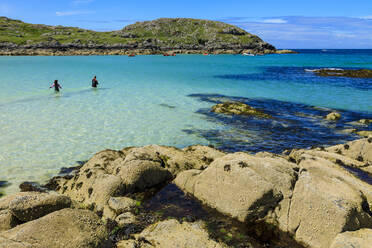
359 150
35 205
238 108
326 201
285 51
171 233
334 116
134 169
7 220
67 228
364 133
365 121
357 239
122 204
125 219
332 72
240 185
32 186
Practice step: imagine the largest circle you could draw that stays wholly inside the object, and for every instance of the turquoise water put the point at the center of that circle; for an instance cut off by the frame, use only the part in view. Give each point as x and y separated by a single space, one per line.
146 100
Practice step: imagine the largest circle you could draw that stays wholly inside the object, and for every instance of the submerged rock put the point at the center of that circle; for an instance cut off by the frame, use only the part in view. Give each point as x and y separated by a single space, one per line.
365 121
334 116
238 108
67 228
332 72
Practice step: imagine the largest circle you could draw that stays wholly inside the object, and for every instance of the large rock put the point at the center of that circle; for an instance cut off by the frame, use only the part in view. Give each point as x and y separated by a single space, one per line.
114 173
334 116
327 200
238 108
35 205
242 186
357 239
170 234
65 228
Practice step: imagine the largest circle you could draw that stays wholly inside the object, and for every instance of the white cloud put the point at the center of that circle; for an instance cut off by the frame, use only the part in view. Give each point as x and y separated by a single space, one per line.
276 21
70 13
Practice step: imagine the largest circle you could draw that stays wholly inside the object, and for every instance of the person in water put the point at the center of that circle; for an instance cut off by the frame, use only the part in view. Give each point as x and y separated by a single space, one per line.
56 86
94 82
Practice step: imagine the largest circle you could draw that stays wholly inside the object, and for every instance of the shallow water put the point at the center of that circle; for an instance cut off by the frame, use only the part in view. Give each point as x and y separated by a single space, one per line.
163 100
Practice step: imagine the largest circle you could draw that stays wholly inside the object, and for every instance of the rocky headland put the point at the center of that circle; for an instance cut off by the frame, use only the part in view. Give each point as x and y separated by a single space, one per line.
159 196
161 36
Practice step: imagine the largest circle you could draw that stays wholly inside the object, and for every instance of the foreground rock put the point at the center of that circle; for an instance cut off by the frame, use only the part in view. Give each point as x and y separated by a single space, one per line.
115 173
331 72
313 199
238 108
26 206
65 228
358 239
170 234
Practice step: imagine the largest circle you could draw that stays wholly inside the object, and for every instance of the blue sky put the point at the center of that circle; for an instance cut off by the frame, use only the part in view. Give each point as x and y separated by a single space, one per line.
283 23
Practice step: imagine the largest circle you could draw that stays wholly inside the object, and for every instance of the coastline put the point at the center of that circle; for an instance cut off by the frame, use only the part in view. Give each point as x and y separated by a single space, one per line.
110 51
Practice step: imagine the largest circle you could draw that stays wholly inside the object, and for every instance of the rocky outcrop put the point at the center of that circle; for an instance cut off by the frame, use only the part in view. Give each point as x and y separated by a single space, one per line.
26 206
238 108
332 72
171 233
312 198
65 228
110 174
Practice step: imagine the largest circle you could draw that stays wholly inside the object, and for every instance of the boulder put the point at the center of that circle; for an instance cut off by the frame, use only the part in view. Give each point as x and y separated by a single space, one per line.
35 205
326 201
241 185
121 204
67 228
238 108
334 116
170 234
115 173
357 239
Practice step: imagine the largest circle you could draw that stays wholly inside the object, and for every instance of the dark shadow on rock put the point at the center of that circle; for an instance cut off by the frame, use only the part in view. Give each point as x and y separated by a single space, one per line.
171 202
293 125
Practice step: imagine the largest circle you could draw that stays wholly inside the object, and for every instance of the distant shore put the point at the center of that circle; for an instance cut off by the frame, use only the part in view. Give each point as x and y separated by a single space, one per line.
109 51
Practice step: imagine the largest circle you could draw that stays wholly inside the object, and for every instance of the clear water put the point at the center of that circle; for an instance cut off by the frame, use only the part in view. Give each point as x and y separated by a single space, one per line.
165 100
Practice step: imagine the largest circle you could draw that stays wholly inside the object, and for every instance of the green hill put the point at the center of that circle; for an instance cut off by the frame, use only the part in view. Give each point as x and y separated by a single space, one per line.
180 35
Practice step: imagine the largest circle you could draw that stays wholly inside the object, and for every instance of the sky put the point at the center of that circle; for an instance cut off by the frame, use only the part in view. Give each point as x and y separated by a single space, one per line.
295 24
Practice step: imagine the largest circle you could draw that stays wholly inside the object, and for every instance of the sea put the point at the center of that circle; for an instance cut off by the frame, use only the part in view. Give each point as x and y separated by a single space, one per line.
161 100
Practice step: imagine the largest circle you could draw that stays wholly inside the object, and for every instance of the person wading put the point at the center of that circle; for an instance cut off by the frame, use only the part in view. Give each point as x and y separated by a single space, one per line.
56 86
94 82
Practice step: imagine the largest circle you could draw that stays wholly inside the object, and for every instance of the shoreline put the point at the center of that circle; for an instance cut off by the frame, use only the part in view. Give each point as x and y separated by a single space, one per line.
88 52
136 190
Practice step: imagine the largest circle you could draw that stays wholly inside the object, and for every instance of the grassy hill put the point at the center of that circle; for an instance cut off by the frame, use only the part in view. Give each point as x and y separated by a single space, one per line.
160 35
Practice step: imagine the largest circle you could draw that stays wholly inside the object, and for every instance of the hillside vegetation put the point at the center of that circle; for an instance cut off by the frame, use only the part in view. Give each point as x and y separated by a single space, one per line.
156 36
